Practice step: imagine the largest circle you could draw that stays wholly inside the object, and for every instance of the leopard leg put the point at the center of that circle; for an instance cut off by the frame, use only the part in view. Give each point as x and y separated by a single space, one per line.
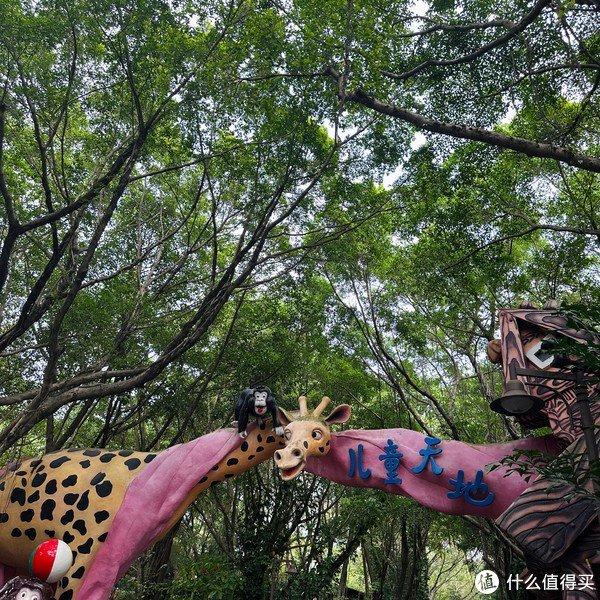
69 585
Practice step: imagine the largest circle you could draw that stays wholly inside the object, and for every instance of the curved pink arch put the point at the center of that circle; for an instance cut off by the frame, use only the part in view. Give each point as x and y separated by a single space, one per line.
426 488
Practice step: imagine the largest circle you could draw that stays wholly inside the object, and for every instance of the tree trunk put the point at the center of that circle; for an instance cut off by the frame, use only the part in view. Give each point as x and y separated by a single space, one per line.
344 579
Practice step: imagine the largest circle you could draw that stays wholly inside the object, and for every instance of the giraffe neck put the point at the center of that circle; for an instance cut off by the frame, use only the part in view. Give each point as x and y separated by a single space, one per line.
259 446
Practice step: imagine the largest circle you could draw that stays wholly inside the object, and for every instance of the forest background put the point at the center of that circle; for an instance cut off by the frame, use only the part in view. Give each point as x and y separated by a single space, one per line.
327 197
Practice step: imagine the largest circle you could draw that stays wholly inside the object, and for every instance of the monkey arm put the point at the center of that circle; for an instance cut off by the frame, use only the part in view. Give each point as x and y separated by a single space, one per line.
276 425
242 419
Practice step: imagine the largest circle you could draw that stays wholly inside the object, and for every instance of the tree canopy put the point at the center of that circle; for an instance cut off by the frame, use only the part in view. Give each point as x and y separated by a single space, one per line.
328 197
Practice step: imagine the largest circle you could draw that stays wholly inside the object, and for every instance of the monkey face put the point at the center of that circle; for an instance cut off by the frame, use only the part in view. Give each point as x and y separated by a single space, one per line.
260 402
28 594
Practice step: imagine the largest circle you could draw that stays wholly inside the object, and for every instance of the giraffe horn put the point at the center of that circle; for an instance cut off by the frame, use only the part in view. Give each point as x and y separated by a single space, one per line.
303 407
322 406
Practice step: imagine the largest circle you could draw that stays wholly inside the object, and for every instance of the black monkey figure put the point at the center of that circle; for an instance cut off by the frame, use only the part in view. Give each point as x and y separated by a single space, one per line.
26 588
256 402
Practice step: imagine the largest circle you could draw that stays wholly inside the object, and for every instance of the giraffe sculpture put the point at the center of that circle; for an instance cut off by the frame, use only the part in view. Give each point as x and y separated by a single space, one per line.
111 506
358 458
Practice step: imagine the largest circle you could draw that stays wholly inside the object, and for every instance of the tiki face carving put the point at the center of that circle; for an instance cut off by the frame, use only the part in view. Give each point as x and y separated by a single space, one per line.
26 588
306 434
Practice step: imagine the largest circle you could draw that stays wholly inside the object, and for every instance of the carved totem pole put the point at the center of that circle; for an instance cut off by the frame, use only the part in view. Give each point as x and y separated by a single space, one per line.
557 528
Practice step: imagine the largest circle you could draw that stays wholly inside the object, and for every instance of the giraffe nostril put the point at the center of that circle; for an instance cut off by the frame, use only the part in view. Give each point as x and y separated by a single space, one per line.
277 455
297 453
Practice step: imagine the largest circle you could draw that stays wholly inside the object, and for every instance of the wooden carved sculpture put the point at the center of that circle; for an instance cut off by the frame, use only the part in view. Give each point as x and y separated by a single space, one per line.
557 528
26 588
111 506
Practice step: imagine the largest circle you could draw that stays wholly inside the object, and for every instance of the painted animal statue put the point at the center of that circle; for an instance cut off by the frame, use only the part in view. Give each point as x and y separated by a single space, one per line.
111 506
556 527
358 458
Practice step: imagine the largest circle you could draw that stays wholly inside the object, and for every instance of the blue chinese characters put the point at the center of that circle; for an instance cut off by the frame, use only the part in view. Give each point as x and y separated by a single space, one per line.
391 462
470 490
357 464
428 454
476 493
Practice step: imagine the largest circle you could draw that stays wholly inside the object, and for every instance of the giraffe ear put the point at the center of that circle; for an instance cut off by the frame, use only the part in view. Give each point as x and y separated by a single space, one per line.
285 418
340 414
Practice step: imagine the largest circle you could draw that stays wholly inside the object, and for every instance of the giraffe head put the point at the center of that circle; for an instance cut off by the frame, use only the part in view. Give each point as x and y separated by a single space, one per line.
306 434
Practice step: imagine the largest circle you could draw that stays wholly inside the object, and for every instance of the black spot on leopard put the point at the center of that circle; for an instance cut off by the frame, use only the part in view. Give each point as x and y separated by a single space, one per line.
244 446
34 463
70 499
2 485
79 573
125 453
251 456
92 452
27 515
305 444
18 495
68 595
96 479
21 473
228 475
64 582
133 463
106 458
69 481
232 461
149 458
79 525
259 448
24 481
85 463
215 468
259 438
102 538
51 487
3 517
47 509
101 515
262 426
50 533
86 548
321 449
31 533
33 497
205 478
68 537
38 479
84 501
104 489
67 517
270 439
59 461
16 532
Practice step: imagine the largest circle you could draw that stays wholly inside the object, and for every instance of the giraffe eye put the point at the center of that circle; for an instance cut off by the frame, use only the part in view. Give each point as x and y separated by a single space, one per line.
317 434
288 434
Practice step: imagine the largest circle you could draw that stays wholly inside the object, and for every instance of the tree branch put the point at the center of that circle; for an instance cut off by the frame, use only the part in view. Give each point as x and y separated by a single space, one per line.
477 134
